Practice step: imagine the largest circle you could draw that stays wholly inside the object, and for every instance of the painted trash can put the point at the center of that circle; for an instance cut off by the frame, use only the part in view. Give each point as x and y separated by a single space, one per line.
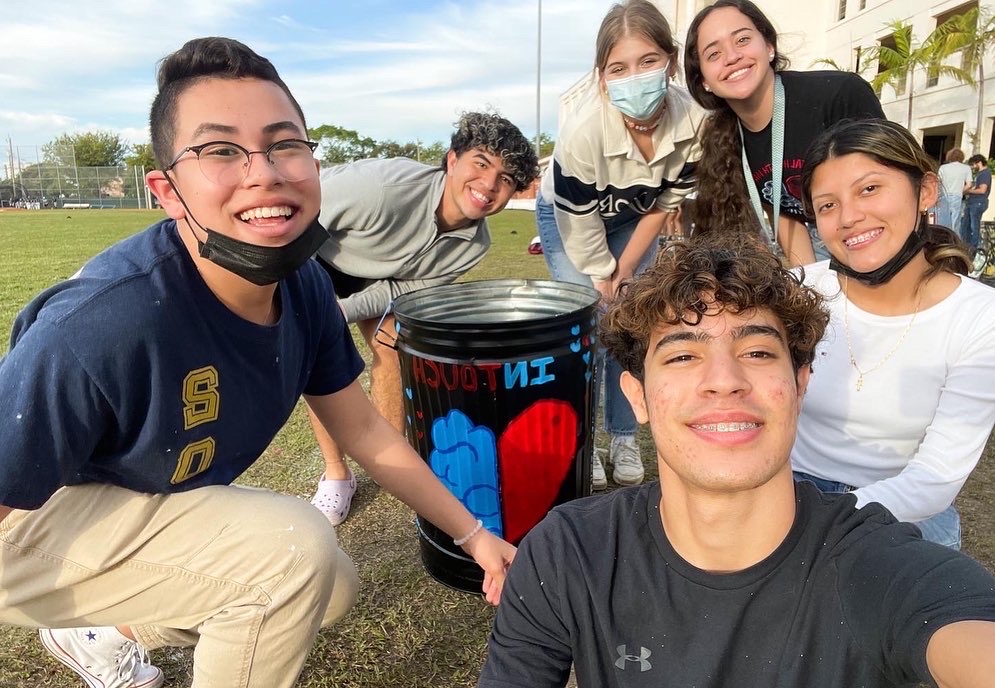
497 377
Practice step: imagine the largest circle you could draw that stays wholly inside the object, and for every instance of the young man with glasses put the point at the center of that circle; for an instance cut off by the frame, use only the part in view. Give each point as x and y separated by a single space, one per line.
398 225
135 392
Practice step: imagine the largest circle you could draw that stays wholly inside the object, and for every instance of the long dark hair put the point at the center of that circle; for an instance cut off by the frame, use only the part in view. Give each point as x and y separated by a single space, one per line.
891 145
723 203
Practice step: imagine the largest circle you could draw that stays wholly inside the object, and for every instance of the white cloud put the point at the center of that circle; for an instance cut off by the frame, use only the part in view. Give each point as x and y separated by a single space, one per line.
405 73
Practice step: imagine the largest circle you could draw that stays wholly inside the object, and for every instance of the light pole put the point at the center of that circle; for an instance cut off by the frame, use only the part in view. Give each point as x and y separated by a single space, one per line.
538 74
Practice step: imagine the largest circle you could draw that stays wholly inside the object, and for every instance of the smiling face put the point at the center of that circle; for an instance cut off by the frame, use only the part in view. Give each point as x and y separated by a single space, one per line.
734 58
865 211
477 185
722 400
263 208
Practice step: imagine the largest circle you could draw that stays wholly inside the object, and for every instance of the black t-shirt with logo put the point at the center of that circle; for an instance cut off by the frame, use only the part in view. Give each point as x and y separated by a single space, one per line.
849 598
813 101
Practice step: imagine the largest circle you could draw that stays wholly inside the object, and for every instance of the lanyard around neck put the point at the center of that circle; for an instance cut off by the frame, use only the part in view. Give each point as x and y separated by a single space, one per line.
776 164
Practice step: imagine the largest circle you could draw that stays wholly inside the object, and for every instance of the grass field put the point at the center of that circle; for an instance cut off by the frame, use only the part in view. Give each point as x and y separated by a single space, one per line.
406 630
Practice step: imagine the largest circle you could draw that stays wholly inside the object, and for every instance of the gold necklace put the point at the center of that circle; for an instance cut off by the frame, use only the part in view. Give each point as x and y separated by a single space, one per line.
849 345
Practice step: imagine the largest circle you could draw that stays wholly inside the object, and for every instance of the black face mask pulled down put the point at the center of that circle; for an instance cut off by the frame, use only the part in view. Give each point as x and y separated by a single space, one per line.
260 265
913 245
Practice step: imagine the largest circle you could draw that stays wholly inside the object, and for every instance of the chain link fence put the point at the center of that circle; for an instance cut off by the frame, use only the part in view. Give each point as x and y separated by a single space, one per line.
30 181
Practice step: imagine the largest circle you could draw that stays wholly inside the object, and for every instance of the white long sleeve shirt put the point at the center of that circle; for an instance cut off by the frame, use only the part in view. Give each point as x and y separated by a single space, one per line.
911 436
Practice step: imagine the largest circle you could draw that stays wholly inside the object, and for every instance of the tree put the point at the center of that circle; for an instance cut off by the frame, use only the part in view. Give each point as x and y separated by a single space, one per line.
141 156
546 144
393 149
433 153
973 33
899 57
342 145
862 63
87 149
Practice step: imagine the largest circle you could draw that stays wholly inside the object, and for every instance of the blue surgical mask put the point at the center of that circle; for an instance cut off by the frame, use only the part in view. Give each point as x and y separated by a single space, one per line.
639 96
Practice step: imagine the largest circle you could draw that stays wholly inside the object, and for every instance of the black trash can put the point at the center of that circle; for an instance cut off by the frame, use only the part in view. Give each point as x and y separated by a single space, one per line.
498 386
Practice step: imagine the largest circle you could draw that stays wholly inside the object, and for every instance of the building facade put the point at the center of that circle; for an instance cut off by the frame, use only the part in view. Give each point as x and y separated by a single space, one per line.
944 111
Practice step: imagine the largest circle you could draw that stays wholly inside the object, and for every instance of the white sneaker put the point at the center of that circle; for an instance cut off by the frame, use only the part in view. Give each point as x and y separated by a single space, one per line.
625 457
102 656
599 481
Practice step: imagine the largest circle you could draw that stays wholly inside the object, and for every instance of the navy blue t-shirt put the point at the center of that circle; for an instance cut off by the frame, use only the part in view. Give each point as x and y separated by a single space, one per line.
984 176
133 373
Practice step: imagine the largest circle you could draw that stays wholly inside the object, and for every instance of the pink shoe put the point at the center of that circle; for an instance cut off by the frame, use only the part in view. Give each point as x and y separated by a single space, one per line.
334 497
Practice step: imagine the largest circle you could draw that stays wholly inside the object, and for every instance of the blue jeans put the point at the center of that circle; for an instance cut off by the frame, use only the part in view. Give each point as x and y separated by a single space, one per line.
818 245
619 418
970 226
949 208
942 528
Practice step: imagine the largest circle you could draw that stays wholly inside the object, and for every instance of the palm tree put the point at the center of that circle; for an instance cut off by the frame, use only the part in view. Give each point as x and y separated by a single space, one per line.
899 58
862 64
829 62
973 33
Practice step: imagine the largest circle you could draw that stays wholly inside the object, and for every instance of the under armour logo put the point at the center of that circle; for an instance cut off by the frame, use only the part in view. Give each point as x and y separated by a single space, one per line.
624 657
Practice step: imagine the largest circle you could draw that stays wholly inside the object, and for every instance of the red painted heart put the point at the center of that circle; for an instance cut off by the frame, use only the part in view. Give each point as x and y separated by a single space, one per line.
536 452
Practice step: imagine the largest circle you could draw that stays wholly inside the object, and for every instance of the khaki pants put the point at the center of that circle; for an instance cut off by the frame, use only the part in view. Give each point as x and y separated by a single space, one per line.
246 575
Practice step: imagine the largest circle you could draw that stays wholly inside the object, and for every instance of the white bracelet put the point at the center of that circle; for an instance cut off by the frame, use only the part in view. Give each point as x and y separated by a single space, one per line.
459 542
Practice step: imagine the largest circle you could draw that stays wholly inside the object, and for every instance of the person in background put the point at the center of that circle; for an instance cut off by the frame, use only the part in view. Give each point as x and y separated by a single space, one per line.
955 180
761 112
902 401
976 201
726 572
398 225
623 162
135 392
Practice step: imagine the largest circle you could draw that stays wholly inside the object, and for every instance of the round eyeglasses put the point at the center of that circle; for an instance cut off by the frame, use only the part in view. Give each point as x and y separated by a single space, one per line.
227 163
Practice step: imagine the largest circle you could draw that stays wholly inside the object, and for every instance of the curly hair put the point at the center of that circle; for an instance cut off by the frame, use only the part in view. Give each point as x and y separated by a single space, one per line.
720 170
892 145
690 279
197 59
723 204
500 137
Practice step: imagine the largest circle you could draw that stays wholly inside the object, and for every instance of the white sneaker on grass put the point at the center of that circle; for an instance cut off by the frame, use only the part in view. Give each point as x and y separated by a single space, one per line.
599 481
628 464
102 656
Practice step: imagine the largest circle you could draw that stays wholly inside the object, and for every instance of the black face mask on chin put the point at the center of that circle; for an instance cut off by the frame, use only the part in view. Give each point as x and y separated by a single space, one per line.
260 265
913 245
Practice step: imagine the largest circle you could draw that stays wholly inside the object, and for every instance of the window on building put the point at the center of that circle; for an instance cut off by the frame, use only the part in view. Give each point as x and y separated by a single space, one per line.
863 4
932 74
965 61
899 84
841 13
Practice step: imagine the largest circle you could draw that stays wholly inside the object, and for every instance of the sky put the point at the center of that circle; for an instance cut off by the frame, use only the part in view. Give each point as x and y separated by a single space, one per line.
389 69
